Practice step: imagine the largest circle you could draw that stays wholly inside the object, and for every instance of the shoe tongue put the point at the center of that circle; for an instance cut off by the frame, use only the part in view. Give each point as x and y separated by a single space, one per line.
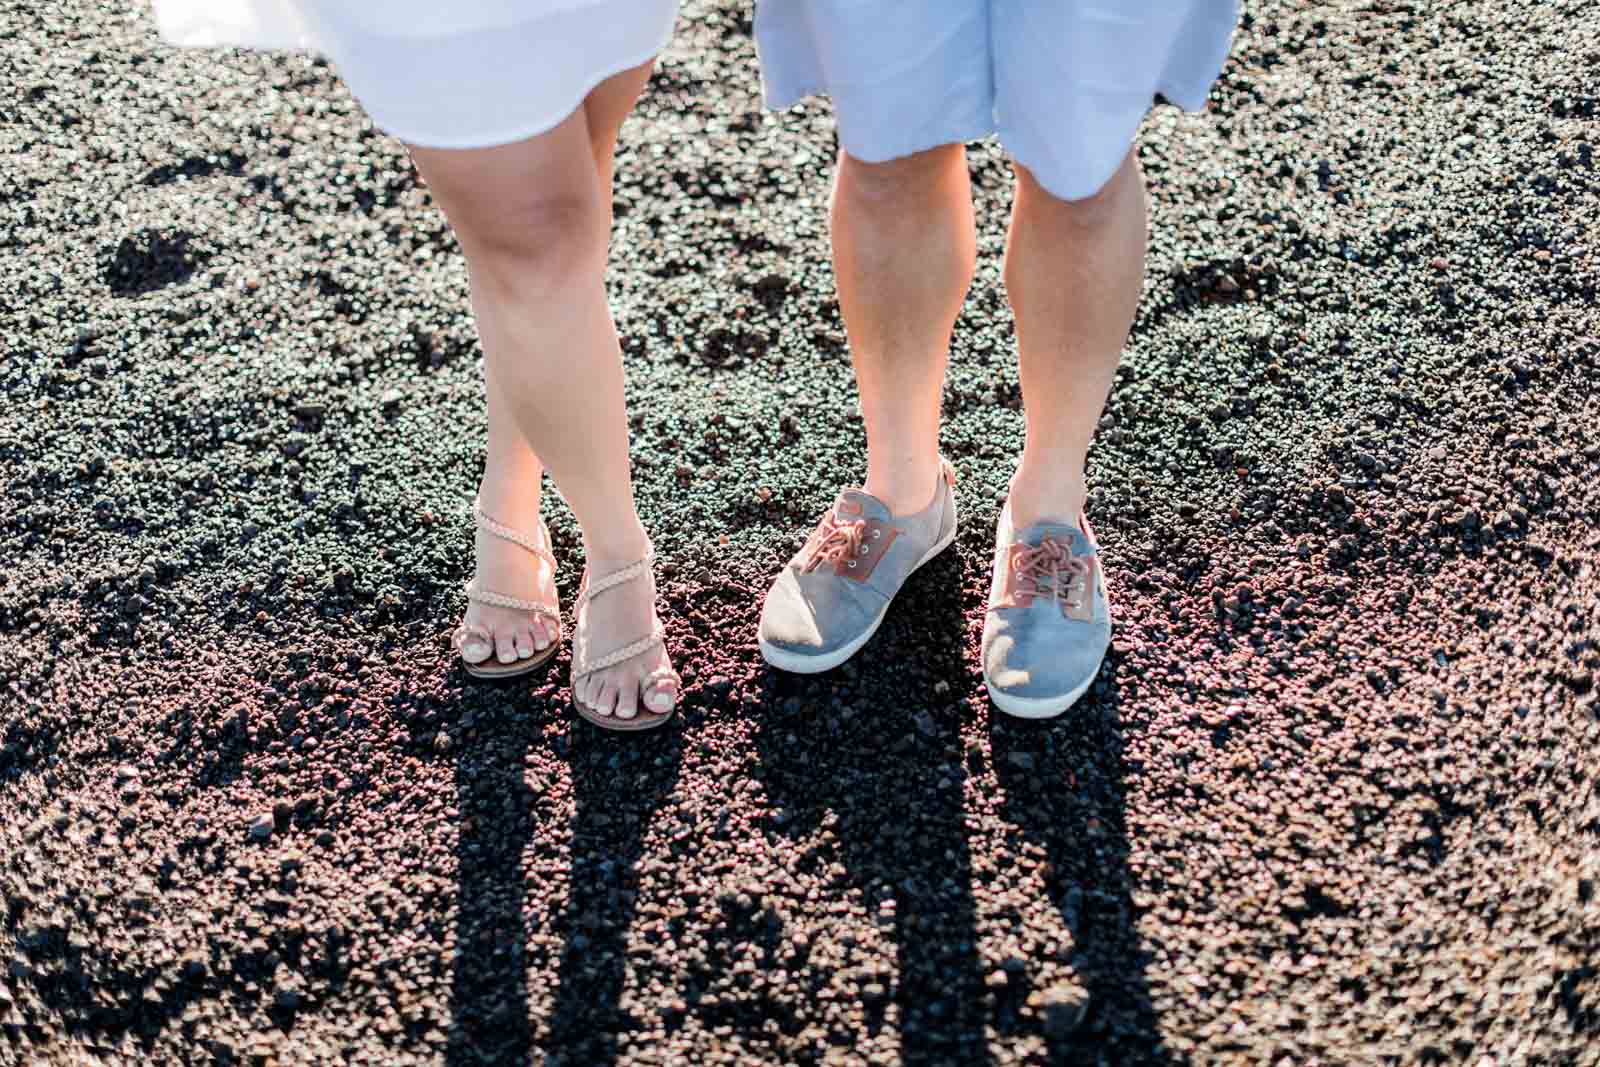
1063 532
856 504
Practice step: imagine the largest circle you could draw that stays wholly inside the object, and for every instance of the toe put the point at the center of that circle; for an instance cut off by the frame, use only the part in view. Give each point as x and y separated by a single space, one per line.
660 696
524 643
628 699
505 648
476 647
543 638
605 701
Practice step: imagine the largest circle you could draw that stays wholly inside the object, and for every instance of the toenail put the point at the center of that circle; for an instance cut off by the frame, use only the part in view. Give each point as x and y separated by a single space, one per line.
658 701
541 642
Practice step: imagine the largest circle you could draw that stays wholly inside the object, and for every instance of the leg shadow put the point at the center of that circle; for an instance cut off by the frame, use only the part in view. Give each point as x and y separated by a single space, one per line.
619 782
1063 786
866 766
489 997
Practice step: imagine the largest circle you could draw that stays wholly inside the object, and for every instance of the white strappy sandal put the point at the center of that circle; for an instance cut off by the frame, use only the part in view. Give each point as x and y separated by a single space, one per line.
583 665
490 666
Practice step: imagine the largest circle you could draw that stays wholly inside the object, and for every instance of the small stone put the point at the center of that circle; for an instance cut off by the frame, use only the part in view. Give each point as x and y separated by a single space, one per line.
1227 285
1064 1010
127 772
261 827
1023 761
442 742
287 999
391 398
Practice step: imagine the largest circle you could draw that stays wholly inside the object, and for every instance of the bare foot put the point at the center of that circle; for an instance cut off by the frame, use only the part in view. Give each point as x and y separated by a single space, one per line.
614 619
505 567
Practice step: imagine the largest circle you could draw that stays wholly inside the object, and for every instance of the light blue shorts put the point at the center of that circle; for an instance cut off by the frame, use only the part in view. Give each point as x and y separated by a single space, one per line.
1063 83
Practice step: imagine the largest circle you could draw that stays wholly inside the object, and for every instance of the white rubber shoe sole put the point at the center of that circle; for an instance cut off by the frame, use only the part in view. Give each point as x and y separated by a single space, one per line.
805 663
1039 707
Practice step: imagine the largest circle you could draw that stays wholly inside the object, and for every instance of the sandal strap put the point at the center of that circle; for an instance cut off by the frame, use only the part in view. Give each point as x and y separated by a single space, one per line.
662 675
621 655
593 587
501 600
515 536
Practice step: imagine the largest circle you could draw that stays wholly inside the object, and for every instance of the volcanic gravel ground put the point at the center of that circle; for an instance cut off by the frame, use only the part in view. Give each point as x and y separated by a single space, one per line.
1332 799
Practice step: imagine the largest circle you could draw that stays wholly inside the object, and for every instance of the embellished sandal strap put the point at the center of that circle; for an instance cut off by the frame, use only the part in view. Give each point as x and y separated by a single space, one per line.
621 655
500 600
661 676
593 587
515 536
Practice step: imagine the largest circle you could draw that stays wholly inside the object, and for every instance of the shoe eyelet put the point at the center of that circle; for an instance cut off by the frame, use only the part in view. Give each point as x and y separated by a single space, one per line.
876 534
862 551
852 564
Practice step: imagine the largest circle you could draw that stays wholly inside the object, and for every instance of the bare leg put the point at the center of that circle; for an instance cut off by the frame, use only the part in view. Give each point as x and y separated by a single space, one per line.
533 219
903 248
512 473
1073 270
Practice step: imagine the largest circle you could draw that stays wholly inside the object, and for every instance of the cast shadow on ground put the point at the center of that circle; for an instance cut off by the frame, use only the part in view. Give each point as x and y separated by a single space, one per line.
874 754
1063 784
865 766
618 782
489 1008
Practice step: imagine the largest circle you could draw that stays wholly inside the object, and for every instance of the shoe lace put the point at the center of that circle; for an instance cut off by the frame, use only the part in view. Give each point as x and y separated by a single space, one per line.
1047 567
840 541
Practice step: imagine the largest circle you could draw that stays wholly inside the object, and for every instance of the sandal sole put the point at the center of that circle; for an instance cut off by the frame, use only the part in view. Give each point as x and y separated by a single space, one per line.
623 726
512 670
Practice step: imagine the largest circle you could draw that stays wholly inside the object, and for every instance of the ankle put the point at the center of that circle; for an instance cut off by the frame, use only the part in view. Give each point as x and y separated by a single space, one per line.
512 500
617 545
906 486
1058 494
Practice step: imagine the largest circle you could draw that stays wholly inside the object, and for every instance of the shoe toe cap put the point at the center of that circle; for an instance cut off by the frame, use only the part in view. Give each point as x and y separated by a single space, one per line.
1043 662
811 617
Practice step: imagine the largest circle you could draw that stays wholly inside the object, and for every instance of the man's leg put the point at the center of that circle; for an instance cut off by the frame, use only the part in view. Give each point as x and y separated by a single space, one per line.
903 249
1074 270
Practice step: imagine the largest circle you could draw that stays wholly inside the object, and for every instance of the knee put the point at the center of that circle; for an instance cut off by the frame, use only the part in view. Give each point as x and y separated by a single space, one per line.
1107 206
540 239
900 180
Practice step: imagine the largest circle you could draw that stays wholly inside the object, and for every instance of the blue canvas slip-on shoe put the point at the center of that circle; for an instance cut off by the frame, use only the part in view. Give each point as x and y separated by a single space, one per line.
1049 623
832 596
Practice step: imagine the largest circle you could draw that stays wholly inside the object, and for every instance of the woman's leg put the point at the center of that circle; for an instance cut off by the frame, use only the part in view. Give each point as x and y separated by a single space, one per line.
512 473
904 247
533 220
1074 270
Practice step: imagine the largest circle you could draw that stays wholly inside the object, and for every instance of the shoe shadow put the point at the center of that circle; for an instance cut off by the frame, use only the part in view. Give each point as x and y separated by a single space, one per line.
619 782
865 767
1063 784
